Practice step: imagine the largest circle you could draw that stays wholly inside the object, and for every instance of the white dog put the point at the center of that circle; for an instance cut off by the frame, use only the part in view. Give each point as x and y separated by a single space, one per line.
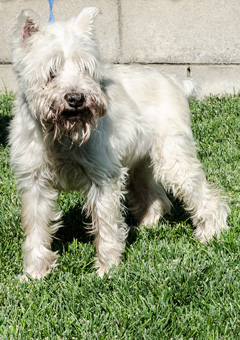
105 131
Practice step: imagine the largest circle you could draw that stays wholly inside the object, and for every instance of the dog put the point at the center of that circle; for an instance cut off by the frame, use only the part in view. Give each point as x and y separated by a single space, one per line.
108 131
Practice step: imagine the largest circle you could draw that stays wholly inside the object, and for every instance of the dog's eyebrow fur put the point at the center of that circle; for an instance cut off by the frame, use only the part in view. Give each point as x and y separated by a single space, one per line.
50 63
87 63
56 60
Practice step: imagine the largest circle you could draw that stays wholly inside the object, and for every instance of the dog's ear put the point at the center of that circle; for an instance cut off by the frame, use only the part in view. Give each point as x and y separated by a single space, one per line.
28 23
85 19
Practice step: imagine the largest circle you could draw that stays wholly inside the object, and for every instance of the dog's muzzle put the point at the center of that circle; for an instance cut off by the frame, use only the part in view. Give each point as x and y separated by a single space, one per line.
74 114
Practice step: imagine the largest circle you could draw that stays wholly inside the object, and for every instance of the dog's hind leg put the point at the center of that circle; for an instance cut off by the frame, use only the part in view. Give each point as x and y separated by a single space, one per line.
176 165
147 199
108 226
40 221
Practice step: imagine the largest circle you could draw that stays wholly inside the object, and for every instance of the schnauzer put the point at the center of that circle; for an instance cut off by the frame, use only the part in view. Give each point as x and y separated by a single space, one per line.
105 131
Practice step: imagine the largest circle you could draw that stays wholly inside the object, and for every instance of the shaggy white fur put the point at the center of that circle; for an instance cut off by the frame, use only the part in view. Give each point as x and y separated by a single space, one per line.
106 131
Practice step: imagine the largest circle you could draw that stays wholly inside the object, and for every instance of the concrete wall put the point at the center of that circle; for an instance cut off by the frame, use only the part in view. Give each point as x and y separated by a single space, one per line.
198 38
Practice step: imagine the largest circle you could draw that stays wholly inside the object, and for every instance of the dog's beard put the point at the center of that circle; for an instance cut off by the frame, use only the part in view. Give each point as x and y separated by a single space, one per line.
75 128
74 124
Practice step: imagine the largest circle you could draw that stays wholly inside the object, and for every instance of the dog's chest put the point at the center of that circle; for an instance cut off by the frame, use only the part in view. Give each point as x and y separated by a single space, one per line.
76 168
68 170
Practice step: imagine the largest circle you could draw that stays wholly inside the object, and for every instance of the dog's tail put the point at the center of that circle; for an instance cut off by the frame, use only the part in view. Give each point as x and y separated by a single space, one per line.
188 86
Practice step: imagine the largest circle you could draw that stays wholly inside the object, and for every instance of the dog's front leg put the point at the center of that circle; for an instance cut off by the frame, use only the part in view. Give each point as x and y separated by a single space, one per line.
40 221
108 226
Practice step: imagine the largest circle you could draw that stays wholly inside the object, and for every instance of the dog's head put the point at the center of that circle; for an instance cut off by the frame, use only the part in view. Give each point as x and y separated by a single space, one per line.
59 73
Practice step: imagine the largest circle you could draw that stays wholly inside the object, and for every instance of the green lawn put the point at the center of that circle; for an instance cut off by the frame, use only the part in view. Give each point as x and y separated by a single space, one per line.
168 285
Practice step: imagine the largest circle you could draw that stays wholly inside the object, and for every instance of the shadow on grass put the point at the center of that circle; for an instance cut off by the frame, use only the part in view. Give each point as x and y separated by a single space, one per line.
75 226
174 219
4 129
6 106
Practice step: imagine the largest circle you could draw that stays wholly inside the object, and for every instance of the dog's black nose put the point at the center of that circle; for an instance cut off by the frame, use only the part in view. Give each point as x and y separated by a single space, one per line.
74 100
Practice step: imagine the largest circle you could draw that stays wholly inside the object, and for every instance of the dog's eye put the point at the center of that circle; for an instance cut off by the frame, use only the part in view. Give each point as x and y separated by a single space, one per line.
52 75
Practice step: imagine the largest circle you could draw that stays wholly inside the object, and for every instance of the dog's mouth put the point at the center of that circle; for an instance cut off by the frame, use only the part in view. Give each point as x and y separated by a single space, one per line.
83 115
70 113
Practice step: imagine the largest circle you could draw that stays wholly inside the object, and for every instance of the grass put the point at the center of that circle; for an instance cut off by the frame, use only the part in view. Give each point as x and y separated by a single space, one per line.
168 286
